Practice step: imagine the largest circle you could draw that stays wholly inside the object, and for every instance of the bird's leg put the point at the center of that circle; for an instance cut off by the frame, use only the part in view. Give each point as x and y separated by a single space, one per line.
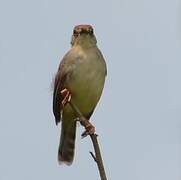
89 129
66 96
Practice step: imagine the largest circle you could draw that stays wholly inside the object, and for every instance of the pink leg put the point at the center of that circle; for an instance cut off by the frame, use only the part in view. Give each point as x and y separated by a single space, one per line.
90 129
66 95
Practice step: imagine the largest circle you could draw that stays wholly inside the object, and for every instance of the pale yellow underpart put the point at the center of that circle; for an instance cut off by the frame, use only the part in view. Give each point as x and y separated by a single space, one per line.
88 79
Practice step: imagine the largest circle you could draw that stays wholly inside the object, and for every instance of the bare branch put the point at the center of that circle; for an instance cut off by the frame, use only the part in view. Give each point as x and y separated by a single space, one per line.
97 157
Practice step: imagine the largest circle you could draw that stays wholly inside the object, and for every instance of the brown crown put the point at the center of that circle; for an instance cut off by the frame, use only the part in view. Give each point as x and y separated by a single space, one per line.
83 29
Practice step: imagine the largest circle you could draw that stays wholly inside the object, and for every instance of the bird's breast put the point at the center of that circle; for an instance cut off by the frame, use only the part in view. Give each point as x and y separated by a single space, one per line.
86 82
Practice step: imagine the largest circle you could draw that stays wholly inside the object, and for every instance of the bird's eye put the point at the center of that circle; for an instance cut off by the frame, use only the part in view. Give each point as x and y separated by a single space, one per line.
90 31
75 32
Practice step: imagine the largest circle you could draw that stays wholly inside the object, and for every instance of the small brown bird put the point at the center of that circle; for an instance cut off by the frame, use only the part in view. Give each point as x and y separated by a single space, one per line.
80 78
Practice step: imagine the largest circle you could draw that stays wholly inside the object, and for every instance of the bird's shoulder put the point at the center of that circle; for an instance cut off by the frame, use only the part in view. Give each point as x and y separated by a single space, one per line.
71 58
101 58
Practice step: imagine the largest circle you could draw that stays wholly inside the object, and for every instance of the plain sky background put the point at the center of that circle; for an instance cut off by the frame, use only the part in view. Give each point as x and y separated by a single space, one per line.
139 116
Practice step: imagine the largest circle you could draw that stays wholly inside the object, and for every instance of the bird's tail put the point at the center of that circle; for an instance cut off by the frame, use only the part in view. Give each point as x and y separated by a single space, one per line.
67 142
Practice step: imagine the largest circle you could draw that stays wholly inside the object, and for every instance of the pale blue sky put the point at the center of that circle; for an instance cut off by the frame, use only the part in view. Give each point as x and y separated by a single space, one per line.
139 116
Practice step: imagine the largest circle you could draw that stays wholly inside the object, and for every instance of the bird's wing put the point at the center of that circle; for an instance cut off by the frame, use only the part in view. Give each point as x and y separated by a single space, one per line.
64 72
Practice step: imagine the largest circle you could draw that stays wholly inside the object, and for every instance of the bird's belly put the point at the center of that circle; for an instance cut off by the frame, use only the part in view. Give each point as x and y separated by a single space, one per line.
86 88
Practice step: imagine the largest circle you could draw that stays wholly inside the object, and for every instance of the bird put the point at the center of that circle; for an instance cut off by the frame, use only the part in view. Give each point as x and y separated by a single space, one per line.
80 79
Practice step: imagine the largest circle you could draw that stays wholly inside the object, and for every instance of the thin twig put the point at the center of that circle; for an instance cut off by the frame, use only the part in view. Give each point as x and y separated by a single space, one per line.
97 156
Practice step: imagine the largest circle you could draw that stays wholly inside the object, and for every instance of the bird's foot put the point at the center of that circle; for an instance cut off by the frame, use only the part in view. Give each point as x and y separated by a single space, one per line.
90 129
66 95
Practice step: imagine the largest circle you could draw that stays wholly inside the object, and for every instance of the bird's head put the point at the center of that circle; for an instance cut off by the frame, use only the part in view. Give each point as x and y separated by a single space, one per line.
83 35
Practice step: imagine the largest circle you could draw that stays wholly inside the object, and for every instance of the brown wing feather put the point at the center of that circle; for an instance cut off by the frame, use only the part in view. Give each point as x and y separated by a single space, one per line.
64 74
57 97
